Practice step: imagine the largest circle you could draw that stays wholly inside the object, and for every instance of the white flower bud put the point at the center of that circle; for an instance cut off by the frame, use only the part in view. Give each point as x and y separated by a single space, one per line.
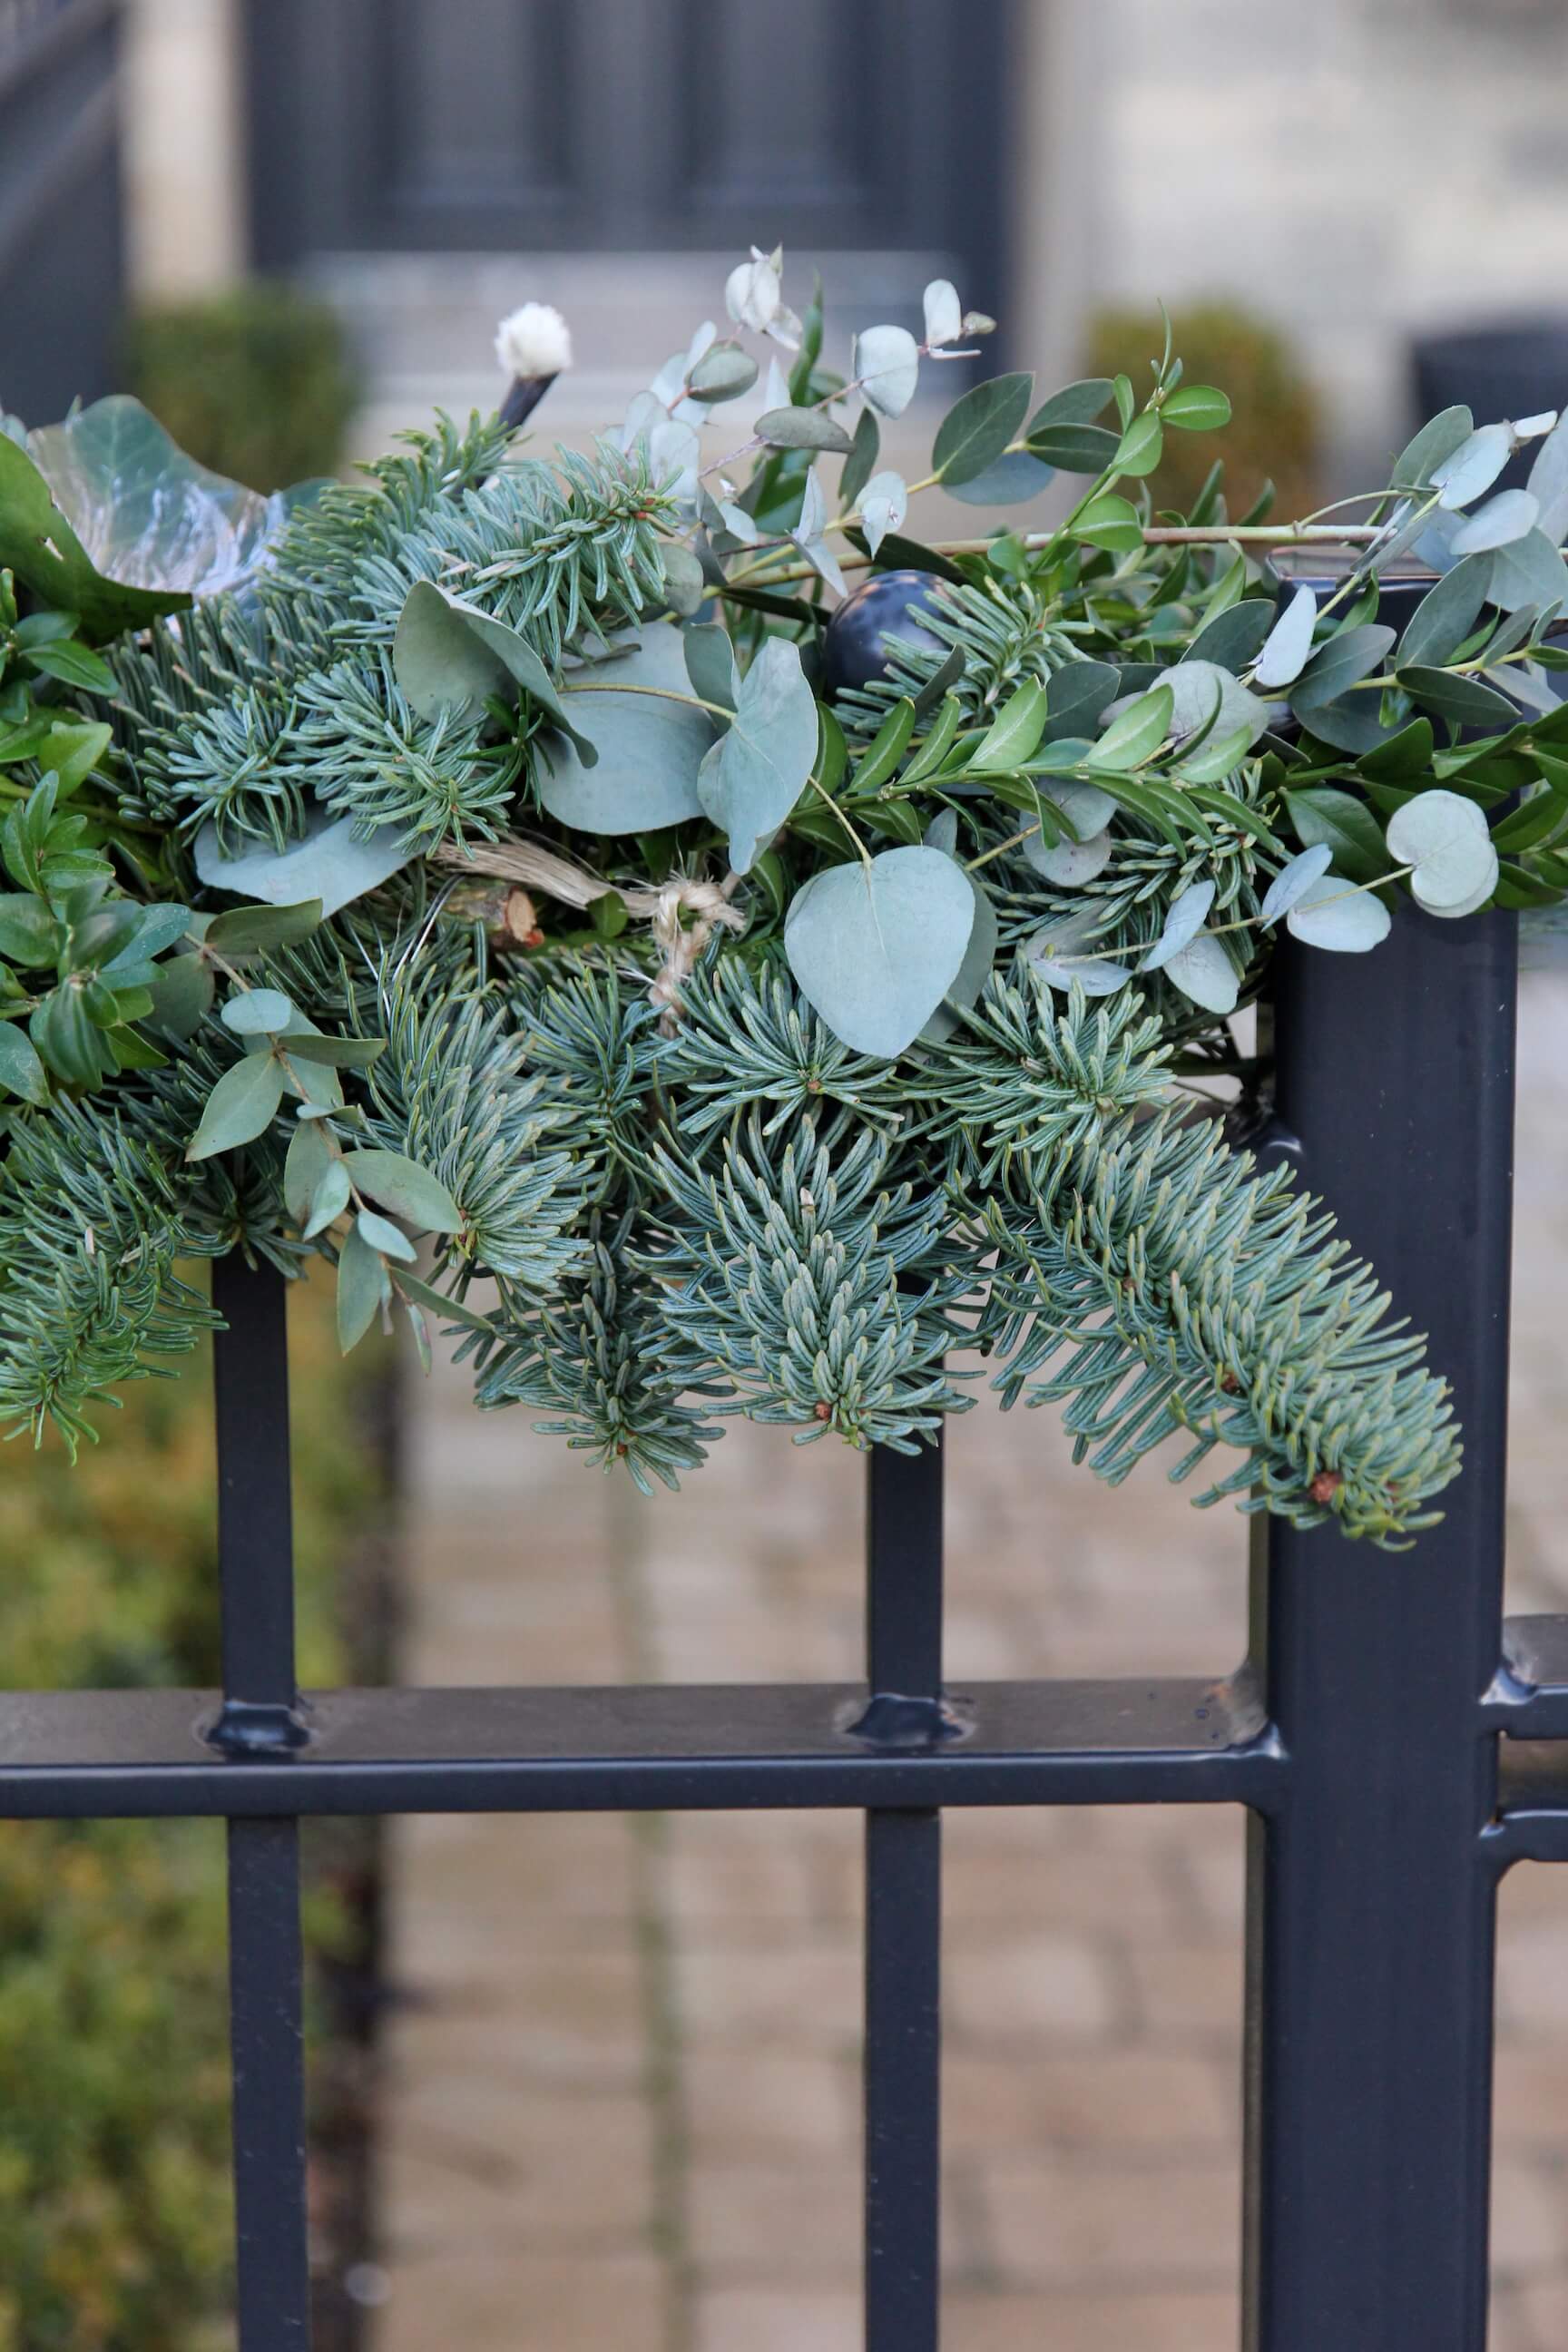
533 342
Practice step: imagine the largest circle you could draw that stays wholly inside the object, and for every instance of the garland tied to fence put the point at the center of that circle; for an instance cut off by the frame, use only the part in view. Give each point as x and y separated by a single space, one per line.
753 993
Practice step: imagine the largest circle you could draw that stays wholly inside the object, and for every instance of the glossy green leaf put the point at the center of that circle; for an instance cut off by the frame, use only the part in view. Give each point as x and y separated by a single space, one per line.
37 543
1110 522
1346 827
1141 446
21 1071
74 665
30 935
1015 731
182 995
1137 733
1196 408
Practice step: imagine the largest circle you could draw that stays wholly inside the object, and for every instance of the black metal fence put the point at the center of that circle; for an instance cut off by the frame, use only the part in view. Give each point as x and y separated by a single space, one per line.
1388 1734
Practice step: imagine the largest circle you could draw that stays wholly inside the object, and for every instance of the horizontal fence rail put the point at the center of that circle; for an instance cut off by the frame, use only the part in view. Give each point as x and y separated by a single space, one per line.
1395 1745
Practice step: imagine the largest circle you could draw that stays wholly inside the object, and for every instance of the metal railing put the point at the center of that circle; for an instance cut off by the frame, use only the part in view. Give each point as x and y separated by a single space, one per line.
1388 1735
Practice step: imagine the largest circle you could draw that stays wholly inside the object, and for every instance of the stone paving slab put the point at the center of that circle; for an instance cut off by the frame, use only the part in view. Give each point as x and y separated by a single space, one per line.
625 2108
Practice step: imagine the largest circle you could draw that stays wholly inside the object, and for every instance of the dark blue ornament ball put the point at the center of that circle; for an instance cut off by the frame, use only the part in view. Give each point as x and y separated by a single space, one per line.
887 604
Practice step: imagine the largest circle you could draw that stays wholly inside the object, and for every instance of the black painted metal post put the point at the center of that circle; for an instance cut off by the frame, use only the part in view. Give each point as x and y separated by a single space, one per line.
903 1910
1370 1919
261 1718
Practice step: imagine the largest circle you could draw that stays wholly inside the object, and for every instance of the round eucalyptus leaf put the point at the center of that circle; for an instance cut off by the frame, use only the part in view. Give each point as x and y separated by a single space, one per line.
1333 913
259 1012
943 315
888 367
650 742
876 947
1069 862
1548 480
1203 692
803 428
974 971
1445 840
330 863
1057 953
722 372
1530 571
884 503
1204 971
752 776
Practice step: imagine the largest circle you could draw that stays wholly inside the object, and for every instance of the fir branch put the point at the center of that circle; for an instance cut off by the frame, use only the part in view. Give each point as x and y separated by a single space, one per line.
781 1272
590 1041
90 1234
1161 1286
1024 1076
749 1038
448 1093
554 554
359 748
318 558
591 1356
1004 632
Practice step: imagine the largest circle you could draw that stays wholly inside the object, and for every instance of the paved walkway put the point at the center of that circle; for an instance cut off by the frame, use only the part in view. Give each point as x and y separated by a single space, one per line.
625 2107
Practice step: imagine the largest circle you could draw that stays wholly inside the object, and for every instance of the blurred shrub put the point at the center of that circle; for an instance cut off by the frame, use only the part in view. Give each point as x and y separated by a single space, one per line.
1274 429
115 2214
254 382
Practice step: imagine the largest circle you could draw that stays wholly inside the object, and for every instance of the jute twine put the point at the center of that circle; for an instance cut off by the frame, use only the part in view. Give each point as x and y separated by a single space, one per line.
681 941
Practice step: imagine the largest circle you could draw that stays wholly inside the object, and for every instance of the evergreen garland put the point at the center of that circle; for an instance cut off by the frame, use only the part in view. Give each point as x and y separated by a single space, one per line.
734 1050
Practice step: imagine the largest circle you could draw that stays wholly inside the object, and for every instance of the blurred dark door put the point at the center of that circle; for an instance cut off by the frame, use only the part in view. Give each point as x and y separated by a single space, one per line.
61 247
630 125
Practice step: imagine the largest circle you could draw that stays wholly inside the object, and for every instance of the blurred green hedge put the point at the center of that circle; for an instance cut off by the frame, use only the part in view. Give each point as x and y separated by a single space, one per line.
254 382
1276 422
115 2215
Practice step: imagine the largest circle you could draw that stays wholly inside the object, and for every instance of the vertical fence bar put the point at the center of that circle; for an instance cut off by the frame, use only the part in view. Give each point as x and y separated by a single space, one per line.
1370 1920
903 1911
260 1716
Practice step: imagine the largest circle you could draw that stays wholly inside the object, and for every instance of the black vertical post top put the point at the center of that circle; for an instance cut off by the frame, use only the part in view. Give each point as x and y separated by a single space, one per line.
256 1558
1371 1915
903 1908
